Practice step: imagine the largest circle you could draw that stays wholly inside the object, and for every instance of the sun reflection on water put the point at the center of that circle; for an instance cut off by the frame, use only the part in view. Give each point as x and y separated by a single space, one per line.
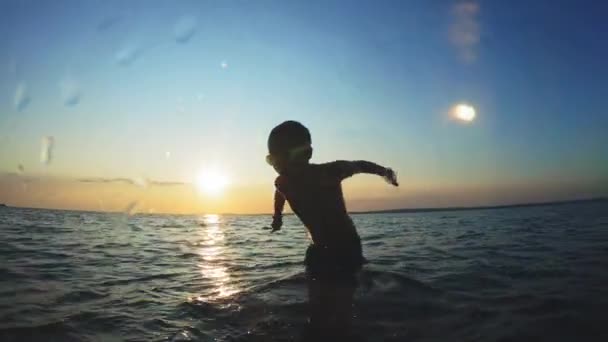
211 250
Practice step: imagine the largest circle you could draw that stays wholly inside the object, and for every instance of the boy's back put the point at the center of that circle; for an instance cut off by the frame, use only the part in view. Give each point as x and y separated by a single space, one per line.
314 193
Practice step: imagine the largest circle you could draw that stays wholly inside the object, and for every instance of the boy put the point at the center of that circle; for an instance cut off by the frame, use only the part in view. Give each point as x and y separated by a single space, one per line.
314 193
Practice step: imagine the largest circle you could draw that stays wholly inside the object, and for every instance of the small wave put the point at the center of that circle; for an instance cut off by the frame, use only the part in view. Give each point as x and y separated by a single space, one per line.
189 255
11 274
112 244
175 225
190 334
140 279
375 281
80 296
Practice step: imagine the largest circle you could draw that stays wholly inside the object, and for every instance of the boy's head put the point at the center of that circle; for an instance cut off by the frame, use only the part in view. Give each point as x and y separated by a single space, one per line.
289 143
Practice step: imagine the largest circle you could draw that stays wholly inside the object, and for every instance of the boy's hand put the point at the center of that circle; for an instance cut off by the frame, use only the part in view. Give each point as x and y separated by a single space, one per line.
390 177
277 222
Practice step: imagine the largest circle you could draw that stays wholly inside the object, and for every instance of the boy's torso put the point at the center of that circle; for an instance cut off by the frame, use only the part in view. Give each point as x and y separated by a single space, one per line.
315 195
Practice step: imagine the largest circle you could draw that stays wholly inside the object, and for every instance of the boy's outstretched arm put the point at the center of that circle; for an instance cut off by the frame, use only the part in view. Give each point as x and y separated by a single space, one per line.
350 168
277 217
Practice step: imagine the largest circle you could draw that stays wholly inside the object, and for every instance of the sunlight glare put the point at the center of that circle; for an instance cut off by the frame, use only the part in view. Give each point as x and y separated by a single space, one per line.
463 112
212 181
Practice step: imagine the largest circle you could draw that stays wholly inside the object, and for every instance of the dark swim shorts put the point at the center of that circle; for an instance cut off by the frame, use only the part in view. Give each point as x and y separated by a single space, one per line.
334 264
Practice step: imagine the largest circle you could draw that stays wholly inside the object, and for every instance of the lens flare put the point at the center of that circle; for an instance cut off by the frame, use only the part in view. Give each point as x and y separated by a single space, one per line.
463 112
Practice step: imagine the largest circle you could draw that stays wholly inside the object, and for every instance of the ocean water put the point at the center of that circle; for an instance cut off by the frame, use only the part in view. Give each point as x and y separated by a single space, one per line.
536 273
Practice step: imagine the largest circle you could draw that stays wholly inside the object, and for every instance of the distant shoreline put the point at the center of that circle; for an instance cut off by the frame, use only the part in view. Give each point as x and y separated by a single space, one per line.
386 211
487 207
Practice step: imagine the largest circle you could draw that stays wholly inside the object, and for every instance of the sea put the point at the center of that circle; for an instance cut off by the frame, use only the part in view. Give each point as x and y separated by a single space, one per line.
519 274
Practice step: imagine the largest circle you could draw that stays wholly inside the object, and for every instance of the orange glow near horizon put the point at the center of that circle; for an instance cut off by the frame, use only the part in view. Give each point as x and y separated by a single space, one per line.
361 195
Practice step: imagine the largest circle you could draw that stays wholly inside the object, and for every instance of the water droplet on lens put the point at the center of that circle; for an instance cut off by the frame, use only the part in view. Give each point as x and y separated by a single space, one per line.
107 23
21 99
224 65
140 182
46 149
184 28
70 91
12 67
127 55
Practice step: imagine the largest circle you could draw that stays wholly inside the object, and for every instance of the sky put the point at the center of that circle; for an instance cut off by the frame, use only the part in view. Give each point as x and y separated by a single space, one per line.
138 105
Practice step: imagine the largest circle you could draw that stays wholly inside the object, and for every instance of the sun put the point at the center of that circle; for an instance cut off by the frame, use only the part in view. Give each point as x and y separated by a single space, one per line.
463 112
212 181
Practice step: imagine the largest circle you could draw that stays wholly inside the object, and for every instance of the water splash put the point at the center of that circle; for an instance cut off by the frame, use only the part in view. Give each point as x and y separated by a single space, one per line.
46 149
184 28
131 208
21 99
70 91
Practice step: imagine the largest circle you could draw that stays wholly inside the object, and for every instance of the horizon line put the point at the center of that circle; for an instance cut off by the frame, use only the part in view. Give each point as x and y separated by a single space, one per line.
383 211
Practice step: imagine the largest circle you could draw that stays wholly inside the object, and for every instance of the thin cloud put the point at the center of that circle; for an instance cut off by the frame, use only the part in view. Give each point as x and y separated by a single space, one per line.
465 31
106 180
136 182
161 183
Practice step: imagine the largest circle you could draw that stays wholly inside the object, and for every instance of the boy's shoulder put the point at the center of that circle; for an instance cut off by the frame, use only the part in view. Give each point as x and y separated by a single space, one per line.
280 181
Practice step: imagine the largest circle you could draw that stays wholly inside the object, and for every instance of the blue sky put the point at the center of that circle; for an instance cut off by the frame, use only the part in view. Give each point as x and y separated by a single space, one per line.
120 84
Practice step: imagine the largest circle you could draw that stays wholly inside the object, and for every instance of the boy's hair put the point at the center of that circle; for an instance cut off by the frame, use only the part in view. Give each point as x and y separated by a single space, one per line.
290 141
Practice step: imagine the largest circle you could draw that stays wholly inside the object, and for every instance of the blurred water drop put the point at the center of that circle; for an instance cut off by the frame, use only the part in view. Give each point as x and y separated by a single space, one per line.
21 99
70 91
184 28
20 168
127 55
46 149
224 65
130 209
107 23
12 67
167 155
140 182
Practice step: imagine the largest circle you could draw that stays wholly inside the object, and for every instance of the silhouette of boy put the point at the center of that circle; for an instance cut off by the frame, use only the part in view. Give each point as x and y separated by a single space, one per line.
314 193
